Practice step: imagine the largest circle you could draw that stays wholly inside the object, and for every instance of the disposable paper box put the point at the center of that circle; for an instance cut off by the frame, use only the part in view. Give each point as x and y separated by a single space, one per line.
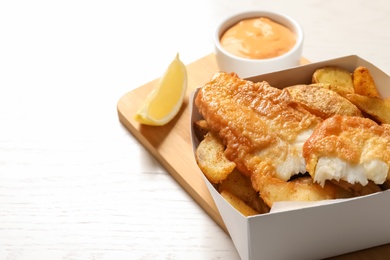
310 232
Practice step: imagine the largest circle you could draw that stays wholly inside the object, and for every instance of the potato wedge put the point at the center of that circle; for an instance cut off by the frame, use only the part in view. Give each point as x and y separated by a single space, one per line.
336 88
211 159
200 129
240 186
238 204
377 108
335 76
385 185
321 101
358 189
364 83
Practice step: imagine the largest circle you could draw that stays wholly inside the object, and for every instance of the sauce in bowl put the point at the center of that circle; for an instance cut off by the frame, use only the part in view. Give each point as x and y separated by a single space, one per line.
258 38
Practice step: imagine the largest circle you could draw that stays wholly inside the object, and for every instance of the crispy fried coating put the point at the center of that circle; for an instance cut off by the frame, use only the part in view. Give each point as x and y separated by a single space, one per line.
257 119
263 130
352 149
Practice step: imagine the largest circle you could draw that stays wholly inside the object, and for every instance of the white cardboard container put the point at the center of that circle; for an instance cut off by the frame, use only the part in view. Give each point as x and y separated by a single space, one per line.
312 231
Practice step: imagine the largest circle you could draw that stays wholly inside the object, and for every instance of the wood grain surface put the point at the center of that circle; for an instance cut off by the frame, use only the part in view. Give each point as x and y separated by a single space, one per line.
171 145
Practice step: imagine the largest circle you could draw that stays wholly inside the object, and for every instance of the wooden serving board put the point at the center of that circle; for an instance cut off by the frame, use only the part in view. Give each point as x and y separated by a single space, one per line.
171 144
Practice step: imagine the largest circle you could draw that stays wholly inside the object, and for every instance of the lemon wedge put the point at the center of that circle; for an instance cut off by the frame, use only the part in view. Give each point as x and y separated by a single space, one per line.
165 101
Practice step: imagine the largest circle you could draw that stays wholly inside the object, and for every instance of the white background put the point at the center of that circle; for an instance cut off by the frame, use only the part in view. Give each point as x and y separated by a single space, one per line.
74 184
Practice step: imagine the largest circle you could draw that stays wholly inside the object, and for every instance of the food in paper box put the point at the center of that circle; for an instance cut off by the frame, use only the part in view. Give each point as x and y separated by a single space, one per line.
284 149
300 227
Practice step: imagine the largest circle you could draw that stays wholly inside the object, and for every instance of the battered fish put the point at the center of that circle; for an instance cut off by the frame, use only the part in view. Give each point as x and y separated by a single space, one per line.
264 131
351 149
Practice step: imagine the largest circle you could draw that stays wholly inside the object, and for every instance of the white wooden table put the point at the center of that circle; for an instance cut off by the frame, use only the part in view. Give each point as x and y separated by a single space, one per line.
74 183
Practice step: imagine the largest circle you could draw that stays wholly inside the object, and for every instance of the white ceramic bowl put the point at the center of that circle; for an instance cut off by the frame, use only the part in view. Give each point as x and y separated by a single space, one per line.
245 67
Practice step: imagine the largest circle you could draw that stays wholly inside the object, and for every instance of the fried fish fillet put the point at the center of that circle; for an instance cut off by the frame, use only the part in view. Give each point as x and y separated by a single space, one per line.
263 131
351 149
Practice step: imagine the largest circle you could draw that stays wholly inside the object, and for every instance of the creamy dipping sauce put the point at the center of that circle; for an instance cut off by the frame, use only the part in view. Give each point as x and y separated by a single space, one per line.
258 38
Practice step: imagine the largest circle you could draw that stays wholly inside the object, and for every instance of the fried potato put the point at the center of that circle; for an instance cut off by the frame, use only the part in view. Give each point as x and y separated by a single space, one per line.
377 108
200 129
238 204
336 88
211 159
335 76
298 189
240 186
364 83
322 102
333 91
385 185
358 189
